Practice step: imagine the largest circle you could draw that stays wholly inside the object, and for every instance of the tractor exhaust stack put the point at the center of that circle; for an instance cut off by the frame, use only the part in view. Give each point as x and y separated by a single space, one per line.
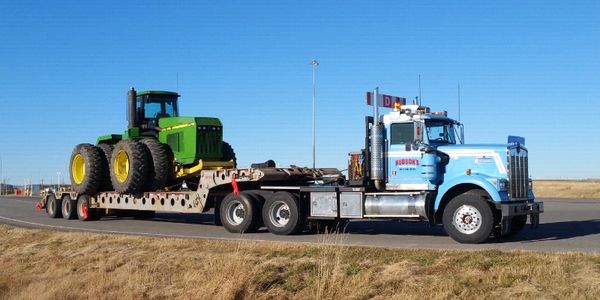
131 110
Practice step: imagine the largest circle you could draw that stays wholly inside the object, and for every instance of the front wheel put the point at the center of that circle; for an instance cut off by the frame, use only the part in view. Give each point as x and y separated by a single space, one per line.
469 219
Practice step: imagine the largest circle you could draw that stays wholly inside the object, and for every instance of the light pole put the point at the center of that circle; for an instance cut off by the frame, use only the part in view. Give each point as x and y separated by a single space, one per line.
314 64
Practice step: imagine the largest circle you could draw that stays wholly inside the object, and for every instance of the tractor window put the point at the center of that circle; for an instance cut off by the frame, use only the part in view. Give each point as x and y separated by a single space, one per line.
440 133
402 133
159 107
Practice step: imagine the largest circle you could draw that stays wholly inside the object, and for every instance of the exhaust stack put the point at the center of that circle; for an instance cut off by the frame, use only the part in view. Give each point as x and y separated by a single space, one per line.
377 145
131 110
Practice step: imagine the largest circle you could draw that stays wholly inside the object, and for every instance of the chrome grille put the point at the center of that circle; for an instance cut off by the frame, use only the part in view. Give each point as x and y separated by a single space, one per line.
518 172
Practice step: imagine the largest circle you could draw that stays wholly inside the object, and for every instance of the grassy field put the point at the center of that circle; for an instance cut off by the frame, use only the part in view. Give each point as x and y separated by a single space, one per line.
567 188
39 264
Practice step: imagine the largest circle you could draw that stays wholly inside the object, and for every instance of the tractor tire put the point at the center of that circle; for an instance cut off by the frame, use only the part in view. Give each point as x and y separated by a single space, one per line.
240 213
84 212
87 169
161 171
229 154
468 219
106 184
53 207
129 165
282 214
68 208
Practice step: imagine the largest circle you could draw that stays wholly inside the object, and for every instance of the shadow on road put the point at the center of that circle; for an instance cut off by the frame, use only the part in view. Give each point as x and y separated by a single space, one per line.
557 231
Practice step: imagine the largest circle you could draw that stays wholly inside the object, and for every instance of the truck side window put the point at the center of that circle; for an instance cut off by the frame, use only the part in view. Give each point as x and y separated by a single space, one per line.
402 133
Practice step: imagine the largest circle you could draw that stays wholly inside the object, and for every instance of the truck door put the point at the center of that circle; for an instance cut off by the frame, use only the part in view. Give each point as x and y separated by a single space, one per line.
404 162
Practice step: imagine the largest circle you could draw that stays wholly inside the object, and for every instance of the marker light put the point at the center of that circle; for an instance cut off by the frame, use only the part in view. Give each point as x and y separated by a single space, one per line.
397 105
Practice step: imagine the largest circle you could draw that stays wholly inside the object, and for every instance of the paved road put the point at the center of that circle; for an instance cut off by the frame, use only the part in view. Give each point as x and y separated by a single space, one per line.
567 225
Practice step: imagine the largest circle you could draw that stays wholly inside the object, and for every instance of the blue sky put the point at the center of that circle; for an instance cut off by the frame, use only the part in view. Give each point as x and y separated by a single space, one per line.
529 68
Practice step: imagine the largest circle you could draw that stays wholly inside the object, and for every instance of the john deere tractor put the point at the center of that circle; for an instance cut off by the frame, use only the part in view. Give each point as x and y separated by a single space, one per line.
158 151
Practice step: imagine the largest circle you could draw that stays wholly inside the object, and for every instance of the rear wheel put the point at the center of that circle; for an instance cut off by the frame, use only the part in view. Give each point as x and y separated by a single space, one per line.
53 207
468 219
241 213
161 169
84 212
129 167
229 154
282 214
68 208
87 169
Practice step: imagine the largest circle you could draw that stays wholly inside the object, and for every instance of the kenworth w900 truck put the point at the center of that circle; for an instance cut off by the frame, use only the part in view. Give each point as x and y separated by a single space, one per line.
414 166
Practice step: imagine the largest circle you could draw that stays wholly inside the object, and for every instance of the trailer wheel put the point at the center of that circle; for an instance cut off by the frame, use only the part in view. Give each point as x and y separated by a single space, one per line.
106 184
129 167
161 170
53 207
84 212
468 219
87 169
241 213
282 214
68 208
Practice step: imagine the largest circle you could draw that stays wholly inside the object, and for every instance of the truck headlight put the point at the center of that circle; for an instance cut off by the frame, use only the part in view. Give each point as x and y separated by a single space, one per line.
503 184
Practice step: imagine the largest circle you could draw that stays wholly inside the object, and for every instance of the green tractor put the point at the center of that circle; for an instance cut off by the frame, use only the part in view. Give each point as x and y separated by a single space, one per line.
158 151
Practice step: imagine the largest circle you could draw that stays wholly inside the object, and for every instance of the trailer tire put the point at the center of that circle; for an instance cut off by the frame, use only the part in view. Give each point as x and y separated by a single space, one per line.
53 207
84 212
282 214
240 213
87 168
129 167
161 170
106 184
68 208
468 219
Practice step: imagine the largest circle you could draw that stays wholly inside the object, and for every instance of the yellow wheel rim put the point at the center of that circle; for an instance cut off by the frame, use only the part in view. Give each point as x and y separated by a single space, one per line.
78 168
121 166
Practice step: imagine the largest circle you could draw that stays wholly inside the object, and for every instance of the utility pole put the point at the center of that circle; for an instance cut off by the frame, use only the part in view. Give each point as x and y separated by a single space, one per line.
314 64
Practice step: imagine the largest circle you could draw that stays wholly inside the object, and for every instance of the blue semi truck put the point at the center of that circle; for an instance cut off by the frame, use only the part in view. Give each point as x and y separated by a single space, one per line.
414 166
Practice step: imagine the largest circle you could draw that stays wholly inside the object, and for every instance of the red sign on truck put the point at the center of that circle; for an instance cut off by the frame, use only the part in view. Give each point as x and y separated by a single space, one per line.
385 100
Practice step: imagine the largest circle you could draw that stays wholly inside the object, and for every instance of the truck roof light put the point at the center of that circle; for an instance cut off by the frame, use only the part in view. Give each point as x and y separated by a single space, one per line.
397 105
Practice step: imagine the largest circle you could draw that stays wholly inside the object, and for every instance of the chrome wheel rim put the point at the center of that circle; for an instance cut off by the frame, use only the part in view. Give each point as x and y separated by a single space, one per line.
467 219
235 212
279 214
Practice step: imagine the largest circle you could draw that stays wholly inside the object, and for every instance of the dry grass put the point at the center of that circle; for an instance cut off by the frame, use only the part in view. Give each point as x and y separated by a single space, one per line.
567 189
38 264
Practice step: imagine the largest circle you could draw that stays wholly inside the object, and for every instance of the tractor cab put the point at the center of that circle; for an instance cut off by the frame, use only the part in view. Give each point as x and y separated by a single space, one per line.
147 107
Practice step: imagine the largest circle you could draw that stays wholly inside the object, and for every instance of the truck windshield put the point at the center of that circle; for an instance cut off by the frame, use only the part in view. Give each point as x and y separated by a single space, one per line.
439 132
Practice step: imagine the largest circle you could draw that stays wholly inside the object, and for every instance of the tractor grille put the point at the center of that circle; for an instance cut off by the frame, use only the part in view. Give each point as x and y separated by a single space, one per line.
209 142
518 172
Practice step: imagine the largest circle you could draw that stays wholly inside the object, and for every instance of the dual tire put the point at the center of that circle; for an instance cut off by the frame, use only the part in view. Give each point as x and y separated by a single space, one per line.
246 212
130 167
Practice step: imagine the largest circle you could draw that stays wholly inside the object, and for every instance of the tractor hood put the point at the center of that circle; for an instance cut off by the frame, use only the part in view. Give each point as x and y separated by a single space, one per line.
488 160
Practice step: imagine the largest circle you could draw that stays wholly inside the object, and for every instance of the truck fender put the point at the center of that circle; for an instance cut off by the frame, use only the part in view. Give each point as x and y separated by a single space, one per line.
476 180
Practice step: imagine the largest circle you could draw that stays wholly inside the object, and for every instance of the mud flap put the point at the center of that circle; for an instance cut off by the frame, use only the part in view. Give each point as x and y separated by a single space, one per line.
505 226
535 220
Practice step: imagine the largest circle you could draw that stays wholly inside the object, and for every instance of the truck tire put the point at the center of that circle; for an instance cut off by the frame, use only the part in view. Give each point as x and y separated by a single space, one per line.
282 214
53 207
468 219
240 213
129 167
87 169
106 184
229 154
84 212
161 169
68 208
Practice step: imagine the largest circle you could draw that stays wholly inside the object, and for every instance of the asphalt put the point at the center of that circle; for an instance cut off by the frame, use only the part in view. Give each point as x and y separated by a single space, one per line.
568 225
